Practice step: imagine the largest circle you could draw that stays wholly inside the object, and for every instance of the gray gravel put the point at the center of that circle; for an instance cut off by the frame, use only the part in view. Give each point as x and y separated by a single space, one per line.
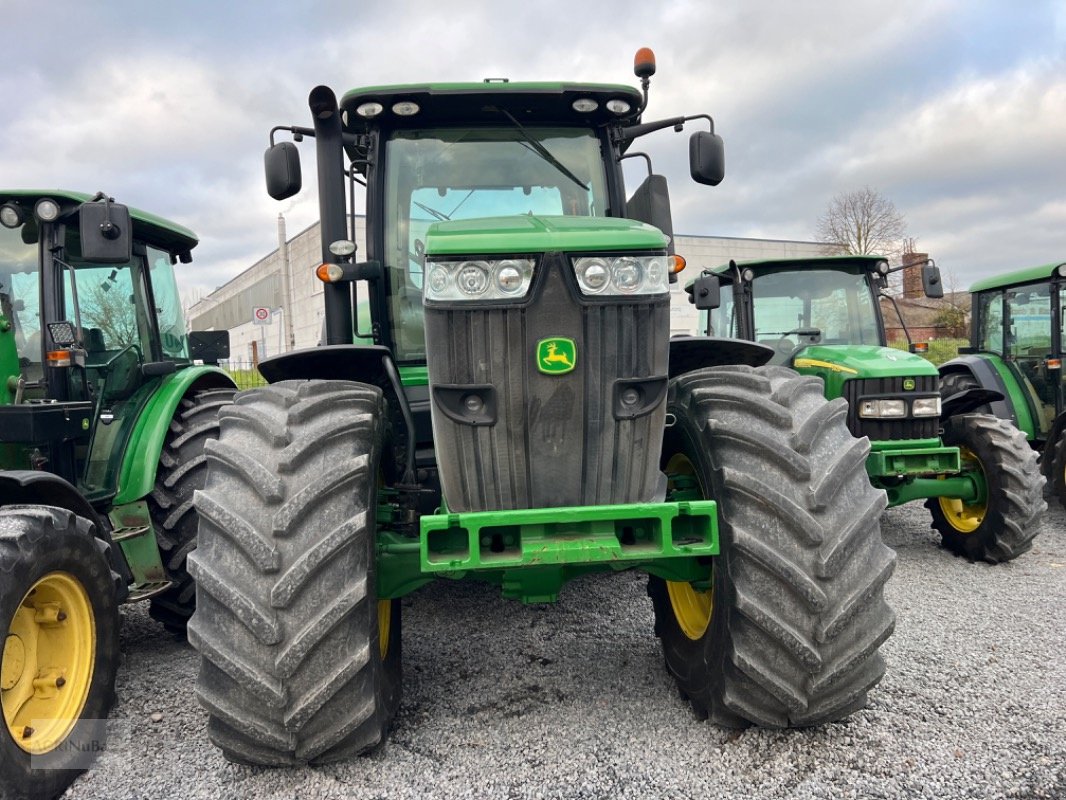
572 700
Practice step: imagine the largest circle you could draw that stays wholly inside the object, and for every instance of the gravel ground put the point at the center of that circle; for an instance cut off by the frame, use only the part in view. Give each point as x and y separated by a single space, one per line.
572 700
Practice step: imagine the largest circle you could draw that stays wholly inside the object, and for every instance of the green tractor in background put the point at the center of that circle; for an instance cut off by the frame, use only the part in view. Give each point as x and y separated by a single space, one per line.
103 421
1016 350
822 317
521 418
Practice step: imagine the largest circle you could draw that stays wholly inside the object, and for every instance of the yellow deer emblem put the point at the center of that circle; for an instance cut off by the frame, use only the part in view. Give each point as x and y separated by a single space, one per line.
556 356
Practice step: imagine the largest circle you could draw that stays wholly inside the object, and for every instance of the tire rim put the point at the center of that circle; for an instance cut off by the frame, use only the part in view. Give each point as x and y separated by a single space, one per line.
48 660
965 517
692 609
384 626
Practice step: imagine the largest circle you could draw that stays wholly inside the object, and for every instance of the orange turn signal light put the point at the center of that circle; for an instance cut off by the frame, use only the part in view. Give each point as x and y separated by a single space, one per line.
677 263
920 347
329 273
1054 363
59 358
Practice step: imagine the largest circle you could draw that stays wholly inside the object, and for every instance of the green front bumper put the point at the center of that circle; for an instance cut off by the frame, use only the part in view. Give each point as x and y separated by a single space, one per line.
531 553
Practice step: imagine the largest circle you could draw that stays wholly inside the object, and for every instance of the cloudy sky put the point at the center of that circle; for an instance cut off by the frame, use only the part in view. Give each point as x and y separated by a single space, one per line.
953 109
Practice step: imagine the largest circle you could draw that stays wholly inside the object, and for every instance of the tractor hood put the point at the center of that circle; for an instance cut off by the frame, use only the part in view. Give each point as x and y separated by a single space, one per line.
861 361
837 364
540 234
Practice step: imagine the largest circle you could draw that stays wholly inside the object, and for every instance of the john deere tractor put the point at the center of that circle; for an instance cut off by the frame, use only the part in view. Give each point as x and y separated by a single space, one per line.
521 418
822 317
1016 350
103 420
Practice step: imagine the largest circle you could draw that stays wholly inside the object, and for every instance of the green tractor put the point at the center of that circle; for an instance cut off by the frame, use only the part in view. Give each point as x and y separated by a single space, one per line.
822 317
103 421
521 418
1016 350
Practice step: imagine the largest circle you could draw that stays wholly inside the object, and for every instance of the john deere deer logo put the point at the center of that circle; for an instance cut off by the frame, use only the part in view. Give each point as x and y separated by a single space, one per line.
556 356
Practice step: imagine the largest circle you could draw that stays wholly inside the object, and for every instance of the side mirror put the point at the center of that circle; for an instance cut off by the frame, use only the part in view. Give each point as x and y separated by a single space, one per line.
282 164
106 232
931 281
705 292
706 158
209 346
651 203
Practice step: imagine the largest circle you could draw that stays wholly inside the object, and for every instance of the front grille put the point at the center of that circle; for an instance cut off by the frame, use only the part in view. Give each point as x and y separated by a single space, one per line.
891 429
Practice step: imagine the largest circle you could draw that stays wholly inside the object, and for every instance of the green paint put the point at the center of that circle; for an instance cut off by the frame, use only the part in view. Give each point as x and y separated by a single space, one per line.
540 234
578 535
892 461
146 226
141 456
557 355
863 361
1027 275
9 362
1017 397
417 375
133 532
968 487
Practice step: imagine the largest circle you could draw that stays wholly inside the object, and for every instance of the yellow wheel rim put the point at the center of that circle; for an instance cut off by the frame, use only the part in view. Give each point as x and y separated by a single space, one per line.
964 517
384 626
48 662
692 608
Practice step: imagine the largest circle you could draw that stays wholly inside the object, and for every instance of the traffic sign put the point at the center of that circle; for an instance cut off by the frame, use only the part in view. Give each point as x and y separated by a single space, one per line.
261 315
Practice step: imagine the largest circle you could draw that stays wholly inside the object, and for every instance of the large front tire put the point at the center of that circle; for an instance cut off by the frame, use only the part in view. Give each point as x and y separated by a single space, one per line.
300 662
182 469
59 631
1002 525
789 632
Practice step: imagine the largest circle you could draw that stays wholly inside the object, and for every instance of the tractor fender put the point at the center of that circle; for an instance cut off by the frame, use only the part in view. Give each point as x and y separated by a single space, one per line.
371 364
39 488
690 353
988 378
136 476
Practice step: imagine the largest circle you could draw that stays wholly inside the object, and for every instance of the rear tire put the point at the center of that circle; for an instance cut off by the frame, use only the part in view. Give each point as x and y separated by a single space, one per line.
1004 526
797 610
182 469
53 553
293 668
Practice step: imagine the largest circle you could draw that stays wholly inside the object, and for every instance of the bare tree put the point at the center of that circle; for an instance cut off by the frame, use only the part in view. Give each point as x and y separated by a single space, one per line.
862 222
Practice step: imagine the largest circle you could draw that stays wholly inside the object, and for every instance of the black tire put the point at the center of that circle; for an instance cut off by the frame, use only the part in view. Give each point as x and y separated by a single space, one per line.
182 469
799 612
1013 511
286 622
39 542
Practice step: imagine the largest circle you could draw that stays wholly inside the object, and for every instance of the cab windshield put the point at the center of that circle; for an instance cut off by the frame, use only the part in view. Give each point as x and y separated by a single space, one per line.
813 306
451 174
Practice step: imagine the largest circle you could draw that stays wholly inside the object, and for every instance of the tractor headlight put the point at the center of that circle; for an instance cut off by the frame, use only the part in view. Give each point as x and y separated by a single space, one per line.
622 275
926 407
478 279
882 409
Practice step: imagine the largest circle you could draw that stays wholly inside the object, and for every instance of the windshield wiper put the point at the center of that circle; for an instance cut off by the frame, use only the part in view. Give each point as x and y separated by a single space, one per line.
438 214
534 144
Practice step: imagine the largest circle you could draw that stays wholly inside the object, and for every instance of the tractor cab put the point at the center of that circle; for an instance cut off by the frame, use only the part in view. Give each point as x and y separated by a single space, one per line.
91 321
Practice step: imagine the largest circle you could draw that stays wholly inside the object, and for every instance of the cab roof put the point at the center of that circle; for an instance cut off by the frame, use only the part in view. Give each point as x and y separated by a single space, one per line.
480 103
1027 275
148 227
808 262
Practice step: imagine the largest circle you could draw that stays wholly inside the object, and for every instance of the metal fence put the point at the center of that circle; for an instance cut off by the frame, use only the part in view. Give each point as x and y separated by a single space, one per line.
244 373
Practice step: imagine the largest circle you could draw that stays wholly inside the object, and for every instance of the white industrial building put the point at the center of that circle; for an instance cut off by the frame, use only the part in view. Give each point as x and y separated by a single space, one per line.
263 286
